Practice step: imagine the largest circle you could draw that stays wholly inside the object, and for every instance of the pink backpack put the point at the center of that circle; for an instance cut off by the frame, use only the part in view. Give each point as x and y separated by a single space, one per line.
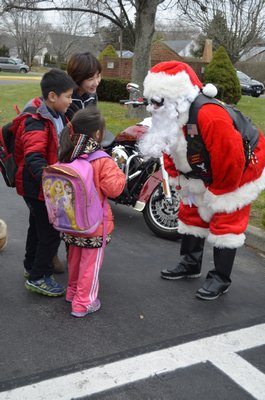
70 195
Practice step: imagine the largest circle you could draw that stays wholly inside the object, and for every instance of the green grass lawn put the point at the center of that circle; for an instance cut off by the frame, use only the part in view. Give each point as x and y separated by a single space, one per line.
116 121
19 94
254 108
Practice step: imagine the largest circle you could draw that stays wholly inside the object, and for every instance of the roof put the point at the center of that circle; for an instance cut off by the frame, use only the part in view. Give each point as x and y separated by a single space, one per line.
178 45
125 53
255 52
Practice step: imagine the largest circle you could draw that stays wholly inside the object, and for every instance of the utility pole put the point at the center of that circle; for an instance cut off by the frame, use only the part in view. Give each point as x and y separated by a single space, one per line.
120 63
120 40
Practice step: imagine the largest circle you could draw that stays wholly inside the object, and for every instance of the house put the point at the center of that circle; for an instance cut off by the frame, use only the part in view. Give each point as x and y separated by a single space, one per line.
160 51
182 47
124 54
10 43
61 45
252 62
255 54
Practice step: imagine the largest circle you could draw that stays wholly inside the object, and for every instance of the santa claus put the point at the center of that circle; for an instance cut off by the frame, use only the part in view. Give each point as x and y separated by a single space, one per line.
215 198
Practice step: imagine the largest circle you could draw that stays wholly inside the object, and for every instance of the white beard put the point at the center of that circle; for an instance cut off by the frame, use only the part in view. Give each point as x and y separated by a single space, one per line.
167 121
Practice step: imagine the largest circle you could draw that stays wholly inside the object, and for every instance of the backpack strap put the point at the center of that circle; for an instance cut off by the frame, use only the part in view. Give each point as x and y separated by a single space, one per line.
197 152
29 110
94 156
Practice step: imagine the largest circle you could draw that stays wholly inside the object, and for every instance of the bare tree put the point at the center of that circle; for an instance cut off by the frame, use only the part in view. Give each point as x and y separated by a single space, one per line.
28 30
77 23
234 24
137 16
175 29
119 12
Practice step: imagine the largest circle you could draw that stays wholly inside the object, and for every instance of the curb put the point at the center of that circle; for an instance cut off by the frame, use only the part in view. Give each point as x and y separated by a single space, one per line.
20 78
255 238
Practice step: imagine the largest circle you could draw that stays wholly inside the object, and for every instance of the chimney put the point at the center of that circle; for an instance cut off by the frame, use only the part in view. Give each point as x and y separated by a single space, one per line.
207 51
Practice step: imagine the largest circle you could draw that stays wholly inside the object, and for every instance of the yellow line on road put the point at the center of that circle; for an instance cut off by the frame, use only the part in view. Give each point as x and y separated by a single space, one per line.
20 78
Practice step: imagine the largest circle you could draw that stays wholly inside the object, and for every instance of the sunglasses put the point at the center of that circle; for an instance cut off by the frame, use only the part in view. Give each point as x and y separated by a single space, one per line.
157 103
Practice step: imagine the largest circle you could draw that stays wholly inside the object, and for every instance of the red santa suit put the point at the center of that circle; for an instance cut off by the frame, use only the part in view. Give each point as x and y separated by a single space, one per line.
217 210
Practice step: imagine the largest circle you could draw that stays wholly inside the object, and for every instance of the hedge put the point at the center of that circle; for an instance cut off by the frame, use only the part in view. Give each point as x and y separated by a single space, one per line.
113 90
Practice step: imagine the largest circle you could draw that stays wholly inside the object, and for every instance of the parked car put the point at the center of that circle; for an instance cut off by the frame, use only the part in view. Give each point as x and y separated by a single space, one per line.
250 86
13 65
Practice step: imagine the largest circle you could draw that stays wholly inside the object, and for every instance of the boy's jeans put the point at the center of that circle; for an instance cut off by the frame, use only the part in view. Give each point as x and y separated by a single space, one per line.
42 241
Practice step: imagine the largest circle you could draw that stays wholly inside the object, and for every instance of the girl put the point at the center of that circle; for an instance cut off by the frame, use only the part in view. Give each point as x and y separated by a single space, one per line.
85 70
86 252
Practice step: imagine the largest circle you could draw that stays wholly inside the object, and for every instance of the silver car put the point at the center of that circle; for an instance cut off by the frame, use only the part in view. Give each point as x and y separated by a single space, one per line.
13 65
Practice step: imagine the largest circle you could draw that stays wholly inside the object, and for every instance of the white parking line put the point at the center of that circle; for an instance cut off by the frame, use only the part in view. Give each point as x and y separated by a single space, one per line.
220 350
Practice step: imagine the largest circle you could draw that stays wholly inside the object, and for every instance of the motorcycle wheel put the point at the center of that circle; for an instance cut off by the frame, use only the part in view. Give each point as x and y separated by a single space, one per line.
162 217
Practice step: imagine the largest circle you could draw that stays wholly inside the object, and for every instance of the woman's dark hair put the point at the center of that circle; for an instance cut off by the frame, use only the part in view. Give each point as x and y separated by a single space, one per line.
85 122
83 66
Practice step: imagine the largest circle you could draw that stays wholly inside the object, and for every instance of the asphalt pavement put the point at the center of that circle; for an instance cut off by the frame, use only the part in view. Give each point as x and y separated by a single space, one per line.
141 314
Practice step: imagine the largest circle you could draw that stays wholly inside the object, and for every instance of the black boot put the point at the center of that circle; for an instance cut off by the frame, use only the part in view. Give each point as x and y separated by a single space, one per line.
218 280
191 252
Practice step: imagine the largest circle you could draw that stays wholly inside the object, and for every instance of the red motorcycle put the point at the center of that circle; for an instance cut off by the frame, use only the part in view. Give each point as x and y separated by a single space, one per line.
147 187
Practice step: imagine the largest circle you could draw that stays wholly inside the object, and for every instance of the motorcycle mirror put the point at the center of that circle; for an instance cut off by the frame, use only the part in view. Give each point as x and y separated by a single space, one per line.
132 87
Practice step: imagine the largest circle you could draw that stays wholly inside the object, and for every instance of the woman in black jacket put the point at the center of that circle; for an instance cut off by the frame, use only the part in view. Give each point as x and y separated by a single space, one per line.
85 70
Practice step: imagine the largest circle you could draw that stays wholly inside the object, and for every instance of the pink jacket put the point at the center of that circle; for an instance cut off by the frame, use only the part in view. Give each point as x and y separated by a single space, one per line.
109 181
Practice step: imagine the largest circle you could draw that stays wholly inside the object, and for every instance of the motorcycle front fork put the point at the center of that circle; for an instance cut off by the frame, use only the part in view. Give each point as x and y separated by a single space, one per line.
166 187
158 177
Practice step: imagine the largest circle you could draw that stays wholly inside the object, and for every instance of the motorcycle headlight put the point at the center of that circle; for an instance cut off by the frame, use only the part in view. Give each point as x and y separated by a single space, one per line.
120 156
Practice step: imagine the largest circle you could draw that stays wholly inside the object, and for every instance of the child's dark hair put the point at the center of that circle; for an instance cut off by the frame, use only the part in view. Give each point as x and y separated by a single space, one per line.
83 66
85 122
56 81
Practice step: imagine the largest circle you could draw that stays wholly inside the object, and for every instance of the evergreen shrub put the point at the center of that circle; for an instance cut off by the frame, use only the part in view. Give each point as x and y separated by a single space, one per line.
221 72
112 89
108 52
4 51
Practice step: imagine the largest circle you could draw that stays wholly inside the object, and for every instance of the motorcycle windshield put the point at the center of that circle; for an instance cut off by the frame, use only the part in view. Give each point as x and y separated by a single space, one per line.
108 139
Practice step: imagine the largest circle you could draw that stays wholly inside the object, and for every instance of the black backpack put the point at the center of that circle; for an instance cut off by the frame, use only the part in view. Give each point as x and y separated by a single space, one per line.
8 132
196 150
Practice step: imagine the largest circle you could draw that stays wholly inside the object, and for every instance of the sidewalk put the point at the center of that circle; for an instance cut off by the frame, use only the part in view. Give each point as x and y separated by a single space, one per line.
255 238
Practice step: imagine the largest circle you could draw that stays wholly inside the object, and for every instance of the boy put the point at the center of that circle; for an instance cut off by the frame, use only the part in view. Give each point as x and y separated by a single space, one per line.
36 147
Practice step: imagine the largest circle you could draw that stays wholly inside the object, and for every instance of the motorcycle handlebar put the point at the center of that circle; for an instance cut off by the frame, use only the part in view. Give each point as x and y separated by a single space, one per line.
135 103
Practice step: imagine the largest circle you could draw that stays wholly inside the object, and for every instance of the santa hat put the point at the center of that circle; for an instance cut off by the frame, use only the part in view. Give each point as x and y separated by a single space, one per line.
174 79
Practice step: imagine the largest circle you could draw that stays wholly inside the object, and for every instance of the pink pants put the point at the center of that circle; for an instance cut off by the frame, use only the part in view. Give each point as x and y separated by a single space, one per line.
83 270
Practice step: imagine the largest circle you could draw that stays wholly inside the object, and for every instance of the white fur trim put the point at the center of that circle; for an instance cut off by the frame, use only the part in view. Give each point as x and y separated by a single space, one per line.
169 86
230 202
192 230
205 213
178 153
195 186
229 240
173 181
3 229
210 90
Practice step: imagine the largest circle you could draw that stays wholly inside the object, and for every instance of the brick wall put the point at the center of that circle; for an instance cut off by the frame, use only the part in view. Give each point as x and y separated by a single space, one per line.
117 68
161 52
121 68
